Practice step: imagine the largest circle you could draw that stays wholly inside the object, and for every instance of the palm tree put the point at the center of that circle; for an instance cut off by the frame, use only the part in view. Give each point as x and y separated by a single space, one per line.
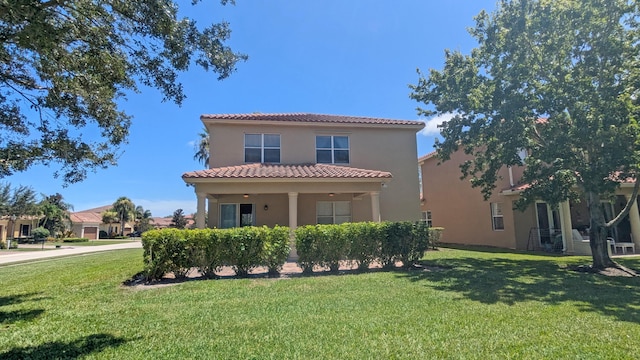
202 148
55 212
109 217
125 209
143 218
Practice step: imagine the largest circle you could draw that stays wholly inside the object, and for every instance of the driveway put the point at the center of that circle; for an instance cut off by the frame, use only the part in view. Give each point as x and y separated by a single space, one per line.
9 257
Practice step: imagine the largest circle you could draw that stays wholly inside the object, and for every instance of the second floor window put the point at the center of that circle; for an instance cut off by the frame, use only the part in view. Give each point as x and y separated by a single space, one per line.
332 149
262 148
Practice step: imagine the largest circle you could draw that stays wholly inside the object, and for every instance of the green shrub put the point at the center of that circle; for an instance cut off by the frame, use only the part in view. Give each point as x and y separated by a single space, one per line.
40 233
206 251
365 242
275 248
103 235
307 246
362 243
243 248
159 252
435 233
333 246
75 240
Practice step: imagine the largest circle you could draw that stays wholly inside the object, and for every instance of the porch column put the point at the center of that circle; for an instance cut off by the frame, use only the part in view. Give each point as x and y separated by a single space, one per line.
200 212
634 221
567 227
293 224
375 206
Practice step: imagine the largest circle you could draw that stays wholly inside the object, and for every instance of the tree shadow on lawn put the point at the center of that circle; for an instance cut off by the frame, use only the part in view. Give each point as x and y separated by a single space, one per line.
65 350
10 317
510 281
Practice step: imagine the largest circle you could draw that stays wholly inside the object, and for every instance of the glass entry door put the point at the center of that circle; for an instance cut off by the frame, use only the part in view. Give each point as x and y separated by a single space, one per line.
235 215
548 223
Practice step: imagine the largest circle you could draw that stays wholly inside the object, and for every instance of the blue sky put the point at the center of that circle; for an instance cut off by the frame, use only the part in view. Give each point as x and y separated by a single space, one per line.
354 57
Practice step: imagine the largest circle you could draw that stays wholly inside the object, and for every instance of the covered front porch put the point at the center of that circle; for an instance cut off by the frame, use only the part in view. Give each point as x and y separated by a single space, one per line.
289 195
565 228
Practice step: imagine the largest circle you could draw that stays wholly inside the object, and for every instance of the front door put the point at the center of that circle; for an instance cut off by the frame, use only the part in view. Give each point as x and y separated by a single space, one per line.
235 215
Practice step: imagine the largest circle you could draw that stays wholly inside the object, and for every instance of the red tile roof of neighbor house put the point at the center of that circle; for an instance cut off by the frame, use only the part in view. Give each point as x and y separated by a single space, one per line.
313 118
281 171
90 215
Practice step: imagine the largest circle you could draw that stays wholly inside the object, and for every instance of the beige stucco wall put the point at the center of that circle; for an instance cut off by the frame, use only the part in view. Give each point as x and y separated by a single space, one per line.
523 222
6 227
462 210
385 148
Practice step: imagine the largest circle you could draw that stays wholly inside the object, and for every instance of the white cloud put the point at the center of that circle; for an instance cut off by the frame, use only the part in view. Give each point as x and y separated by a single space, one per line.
431 125
192 143
160 208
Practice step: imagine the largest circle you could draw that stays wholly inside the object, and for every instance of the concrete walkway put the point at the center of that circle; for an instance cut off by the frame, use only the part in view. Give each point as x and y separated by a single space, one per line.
12 256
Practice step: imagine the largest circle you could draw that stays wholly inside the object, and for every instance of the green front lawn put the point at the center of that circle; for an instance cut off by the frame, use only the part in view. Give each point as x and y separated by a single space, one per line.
471 304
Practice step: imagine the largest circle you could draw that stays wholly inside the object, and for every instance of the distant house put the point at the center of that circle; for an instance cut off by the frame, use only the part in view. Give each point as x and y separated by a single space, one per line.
452 203
88 223
17 228
294 169
165 222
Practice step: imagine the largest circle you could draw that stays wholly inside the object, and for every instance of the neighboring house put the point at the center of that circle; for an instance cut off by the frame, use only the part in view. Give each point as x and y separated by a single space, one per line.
296 169
452 203
21 227
165 222
88 223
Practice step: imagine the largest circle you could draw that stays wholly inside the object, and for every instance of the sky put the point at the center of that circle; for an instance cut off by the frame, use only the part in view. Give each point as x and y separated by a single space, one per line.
355 57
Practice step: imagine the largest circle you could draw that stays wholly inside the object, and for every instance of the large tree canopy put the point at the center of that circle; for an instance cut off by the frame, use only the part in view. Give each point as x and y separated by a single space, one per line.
559 78
64 64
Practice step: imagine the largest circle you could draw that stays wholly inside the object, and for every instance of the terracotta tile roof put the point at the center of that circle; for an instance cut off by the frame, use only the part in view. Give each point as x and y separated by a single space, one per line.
311 118
90 215
280 171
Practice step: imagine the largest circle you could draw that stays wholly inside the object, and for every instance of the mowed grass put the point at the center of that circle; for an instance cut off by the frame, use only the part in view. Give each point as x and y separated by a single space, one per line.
471 304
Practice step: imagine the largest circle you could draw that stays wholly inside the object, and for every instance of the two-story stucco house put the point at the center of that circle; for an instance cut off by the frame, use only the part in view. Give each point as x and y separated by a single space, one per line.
297 169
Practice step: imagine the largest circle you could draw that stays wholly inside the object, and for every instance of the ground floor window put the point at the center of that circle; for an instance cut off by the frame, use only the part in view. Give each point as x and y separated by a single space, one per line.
235 215
25 230
426 217
333 212
497 218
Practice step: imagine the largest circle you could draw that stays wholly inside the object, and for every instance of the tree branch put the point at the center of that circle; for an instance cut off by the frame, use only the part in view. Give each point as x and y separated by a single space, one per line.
627 207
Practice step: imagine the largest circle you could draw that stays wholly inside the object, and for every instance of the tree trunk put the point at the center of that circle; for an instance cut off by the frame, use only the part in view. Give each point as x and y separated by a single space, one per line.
598 233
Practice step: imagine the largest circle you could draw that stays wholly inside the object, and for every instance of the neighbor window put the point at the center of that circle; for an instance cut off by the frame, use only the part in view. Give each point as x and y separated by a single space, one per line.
333 212
25 230
262 148
332 149
497 218
426 217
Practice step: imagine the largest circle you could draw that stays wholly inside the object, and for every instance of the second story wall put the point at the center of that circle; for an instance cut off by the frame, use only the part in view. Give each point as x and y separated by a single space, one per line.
461 209
387 148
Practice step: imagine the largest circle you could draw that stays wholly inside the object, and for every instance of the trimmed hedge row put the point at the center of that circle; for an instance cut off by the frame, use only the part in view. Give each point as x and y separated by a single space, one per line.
362 243
177 251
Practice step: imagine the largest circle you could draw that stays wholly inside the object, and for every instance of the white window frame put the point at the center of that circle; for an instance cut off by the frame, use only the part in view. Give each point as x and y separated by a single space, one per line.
496 213
426 217
333 149
262 148
333 215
